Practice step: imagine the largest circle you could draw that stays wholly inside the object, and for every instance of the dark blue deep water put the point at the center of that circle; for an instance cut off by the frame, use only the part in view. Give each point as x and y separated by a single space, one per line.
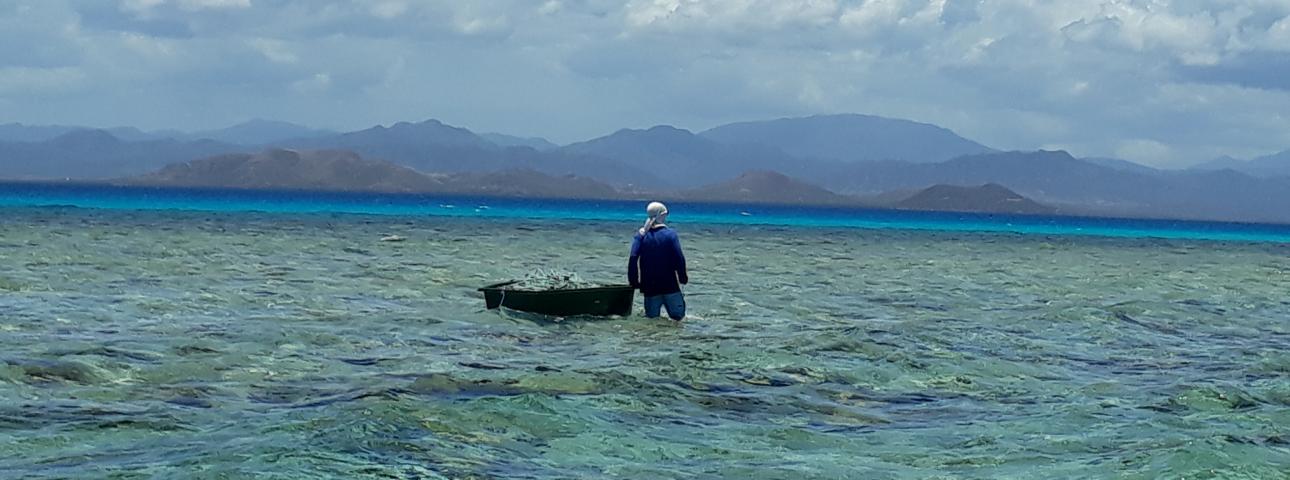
214 200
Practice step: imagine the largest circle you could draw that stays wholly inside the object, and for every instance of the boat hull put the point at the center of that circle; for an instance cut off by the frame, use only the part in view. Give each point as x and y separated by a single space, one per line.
597 301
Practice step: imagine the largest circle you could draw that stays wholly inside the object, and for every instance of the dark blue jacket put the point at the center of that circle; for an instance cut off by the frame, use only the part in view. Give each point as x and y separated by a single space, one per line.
657 264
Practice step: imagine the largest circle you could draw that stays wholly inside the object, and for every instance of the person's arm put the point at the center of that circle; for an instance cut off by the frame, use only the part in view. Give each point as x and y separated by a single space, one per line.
633 261
680 261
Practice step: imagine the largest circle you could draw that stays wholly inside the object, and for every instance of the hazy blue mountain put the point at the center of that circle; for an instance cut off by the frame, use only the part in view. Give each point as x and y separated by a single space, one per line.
1046 175
432 146
1056 178
850 138
1120 164
17 132
347 171
1042 175
988 198
682 158
428 146
1224 194
621 174
664 158
1274 165
403 141
132 134
1220 163
427 133
761 186
291 169
260 132
523 182
97 154
504 140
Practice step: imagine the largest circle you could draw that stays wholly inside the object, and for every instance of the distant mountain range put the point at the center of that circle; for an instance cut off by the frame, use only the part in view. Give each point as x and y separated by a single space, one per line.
97 154
253 132
504 140
1119 164
850 138
17 132
811 159
1056 178
1274 165
681 159
341 170
258 132
291 169
985 198
763 186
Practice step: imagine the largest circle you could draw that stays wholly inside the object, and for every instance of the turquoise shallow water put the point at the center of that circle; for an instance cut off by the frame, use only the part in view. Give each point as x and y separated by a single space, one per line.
123 198
198 344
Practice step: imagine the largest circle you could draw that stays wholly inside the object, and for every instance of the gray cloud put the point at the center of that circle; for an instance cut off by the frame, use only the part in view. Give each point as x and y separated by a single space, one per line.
1163 83
40 36
110 17
1261 70
958 12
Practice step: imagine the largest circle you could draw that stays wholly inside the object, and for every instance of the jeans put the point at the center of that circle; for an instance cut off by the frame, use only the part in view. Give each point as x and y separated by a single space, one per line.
675 303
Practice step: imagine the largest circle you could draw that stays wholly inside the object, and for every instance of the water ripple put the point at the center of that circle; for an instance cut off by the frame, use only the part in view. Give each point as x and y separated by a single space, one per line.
179 344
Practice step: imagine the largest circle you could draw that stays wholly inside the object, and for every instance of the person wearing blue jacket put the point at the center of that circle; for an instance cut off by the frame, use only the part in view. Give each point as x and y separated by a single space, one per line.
657 266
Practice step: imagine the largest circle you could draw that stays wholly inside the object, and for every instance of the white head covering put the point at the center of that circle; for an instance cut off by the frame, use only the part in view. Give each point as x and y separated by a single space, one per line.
657 215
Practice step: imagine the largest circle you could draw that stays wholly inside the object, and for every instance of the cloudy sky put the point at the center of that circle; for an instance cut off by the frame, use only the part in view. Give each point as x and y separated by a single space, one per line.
1166 83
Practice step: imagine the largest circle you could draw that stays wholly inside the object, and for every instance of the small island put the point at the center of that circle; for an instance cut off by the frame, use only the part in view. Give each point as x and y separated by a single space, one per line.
988 198
762 186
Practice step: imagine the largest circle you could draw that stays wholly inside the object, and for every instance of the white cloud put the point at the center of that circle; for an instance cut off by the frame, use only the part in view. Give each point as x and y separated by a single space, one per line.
727 14
214 4
1146 151
274 50
141 5
191 5
148 46
318 83
643 13
877 15
550 7
476 25
1278 36
389 10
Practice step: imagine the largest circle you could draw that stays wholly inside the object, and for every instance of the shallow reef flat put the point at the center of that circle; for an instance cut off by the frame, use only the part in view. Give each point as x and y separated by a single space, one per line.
233 345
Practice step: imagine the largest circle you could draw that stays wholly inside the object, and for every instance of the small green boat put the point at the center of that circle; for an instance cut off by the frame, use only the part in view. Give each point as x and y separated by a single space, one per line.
596 301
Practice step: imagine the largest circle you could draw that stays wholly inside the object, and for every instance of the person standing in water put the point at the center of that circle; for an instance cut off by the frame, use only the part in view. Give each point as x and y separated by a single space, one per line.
657 266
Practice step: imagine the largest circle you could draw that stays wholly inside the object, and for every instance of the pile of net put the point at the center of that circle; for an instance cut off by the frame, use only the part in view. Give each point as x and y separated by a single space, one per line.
551 279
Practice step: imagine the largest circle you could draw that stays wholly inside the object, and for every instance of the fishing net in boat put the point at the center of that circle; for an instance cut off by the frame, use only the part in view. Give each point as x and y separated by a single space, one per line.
551 279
